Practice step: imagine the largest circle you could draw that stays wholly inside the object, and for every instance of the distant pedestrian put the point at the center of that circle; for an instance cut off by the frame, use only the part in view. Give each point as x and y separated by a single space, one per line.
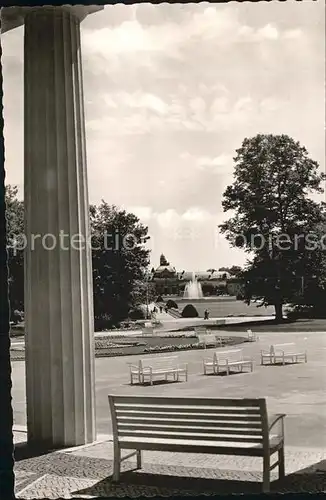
161 309
206 314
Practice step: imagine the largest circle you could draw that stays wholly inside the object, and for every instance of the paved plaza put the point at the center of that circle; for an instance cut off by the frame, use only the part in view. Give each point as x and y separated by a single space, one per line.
297 390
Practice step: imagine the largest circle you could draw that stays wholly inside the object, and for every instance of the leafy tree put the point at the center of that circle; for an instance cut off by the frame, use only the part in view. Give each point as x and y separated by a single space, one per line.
120 261
273 179
15 246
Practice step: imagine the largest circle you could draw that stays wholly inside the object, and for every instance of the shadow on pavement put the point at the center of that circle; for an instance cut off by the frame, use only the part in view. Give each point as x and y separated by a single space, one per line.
138 483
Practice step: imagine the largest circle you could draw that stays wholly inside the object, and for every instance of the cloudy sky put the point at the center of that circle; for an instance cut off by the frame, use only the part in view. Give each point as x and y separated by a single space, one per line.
170 93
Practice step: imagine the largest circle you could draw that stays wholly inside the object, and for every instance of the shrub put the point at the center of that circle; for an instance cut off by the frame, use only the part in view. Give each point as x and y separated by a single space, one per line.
171 304
102 323
137 314
189 311
159 299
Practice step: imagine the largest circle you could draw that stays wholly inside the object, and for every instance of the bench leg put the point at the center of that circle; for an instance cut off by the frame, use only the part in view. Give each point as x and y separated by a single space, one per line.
305 358
266 474
138 459
116 462
281 463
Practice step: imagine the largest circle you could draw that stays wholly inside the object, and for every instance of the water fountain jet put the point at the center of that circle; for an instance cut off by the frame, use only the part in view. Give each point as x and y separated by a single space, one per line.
193 290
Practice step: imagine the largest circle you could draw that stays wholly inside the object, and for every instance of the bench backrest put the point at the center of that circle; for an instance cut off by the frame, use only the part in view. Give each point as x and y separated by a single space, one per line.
288 347
194 419
231 355
159 362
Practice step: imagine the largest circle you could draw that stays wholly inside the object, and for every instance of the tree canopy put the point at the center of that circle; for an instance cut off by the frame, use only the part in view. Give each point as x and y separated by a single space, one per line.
120 261
273 214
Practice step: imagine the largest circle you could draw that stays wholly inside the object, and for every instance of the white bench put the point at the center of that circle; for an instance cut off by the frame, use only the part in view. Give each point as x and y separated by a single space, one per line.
157 367
196 425
252 337
208 339
283 353
224 360
148 330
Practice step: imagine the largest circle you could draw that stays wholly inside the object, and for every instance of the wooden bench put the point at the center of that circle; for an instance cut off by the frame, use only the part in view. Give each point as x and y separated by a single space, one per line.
283 353
208 339
197 425
157 367
224 360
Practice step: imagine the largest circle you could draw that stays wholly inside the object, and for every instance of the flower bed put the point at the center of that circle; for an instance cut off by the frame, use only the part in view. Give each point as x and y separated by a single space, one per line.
105 347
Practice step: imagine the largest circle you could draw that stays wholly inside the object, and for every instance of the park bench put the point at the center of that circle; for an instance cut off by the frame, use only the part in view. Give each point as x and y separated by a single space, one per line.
148 330
283 353
224 360
208 339
196 425
251 336
157 367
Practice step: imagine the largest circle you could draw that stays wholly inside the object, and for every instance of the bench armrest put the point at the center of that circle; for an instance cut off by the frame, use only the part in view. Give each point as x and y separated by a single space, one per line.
274 419
134 367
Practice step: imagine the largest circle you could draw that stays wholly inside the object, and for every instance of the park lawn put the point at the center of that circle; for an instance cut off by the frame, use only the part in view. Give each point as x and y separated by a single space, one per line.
221 308
300 325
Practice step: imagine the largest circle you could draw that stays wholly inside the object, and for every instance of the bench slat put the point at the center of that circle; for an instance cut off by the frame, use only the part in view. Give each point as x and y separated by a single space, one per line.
126 426
223 413
183 403
191 435
185 420
182 445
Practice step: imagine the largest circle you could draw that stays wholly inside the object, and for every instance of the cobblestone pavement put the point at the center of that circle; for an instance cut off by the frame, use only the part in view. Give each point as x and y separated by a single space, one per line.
86 472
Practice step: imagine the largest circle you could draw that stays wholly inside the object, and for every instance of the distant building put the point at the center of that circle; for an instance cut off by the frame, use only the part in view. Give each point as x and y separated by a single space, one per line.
169 281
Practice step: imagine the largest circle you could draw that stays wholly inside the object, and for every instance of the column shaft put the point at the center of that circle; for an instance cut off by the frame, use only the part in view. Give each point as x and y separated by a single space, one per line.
58 274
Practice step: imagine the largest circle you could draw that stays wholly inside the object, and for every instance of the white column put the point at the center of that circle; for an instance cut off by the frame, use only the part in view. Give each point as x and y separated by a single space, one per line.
58 274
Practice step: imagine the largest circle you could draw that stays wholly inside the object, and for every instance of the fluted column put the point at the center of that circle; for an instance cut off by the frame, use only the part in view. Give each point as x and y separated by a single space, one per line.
58 275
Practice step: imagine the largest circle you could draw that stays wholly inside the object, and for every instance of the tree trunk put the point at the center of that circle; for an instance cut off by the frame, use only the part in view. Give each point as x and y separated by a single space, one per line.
278 312
7 478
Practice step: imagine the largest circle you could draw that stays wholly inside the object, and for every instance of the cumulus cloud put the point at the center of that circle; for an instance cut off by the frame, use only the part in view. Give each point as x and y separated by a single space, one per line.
216 163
